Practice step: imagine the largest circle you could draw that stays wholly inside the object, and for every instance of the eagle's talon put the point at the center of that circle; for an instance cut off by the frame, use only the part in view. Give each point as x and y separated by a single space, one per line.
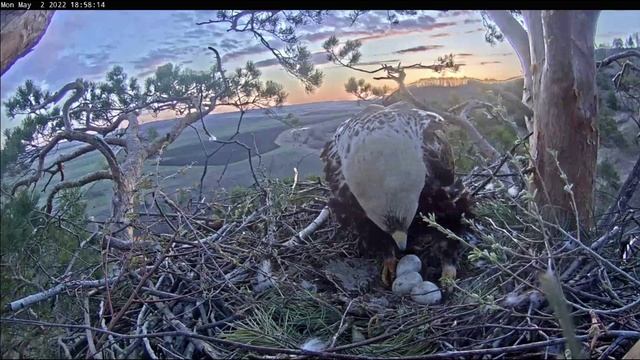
389 271
448 277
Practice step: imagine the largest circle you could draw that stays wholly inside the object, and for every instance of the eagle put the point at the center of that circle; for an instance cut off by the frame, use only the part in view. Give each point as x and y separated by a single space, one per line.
386 167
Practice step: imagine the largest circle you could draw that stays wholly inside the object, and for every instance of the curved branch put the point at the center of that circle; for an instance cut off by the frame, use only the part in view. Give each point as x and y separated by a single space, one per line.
103 130
516 36
87 179
621 55
483 145
177 129
78 86
57 96
75 154
70 156
621 203
101 146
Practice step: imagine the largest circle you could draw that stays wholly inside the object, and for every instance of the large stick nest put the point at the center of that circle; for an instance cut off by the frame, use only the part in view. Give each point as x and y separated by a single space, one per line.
248 284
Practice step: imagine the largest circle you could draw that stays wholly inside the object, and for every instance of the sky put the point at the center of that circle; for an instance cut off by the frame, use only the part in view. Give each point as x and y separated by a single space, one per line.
88 43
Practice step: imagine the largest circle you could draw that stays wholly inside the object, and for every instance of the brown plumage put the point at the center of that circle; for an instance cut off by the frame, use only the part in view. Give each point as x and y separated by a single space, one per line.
385 166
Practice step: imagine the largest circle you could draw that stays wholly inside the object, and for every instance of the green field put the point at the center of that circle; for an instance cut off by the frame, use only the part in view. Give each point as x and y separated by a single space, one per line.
181 164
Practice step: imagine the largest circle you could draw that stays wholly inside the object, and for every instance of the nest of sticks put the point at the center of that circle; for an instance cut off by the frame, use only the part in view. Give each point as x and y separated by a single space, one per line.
262 282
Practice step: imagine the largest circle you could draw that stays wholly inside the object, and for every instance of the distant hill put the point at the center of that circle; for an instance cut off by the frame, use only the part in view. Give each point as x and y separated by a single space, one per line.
441 89
602 53
458 81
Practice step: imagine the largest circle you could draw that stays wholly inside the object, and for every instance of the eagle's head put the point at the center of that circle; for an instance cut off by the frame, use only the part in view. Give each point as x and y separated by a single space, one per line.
387 177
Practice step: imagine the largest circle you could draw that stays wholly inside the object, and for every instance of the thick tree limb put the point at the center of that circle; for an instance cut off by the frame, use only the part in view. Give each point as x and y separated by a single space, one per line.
169 137
87 179
83 150
483 145
47 294
516 36
101 146
621 55
533 23
58 95
78 86
104 130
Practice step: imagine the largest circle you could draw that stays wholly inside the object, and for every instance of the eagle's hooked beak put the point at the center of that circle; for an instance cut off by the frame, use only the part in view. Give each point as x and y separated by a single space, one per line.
400 237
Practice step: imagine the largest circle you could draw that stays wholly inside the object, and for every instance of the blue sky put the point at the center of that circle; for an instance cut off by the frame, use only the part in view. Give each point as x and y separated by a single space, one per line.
88 43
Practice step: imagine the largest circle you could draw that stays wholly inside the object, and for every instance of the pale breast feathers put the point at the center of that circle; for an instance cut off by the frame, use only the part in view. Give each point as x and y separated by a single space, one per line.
399 120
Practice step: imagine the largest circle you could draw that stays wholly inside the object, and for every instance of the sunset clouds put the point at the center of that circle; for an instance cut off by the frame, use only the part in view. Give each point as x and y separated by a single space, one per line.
88 43
418 49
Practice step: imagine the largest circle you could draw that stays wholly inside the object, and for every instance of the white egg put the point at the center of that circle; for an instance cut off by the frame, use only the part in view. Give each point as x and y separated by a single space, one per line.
407 264
426 293
405 282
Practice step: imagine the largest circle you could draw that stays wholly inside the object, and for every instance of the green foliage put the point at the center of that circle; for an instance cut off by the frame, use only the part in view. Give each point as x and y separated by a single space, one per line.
603 80
502 213
18 220
246 82
286 322
295 58
364 90
607 184
35 250
17 139
608 175
291 120
26 96
612 101
617 43
454 99
348 55
152 134
314 178
243 200
610 135
183 196
492 32
462 150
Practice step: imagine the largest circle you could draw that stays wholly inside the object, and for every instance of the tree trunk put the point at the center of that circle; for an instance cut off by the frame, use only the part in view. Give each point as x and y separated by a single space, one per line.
123 203
556 53
565 116
125 191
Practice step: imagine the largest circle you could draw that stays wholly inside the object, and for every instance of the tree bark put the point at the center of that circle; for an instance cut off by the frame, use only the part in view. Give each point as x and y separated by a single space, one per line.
558 65
21 31
565 117
124 191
